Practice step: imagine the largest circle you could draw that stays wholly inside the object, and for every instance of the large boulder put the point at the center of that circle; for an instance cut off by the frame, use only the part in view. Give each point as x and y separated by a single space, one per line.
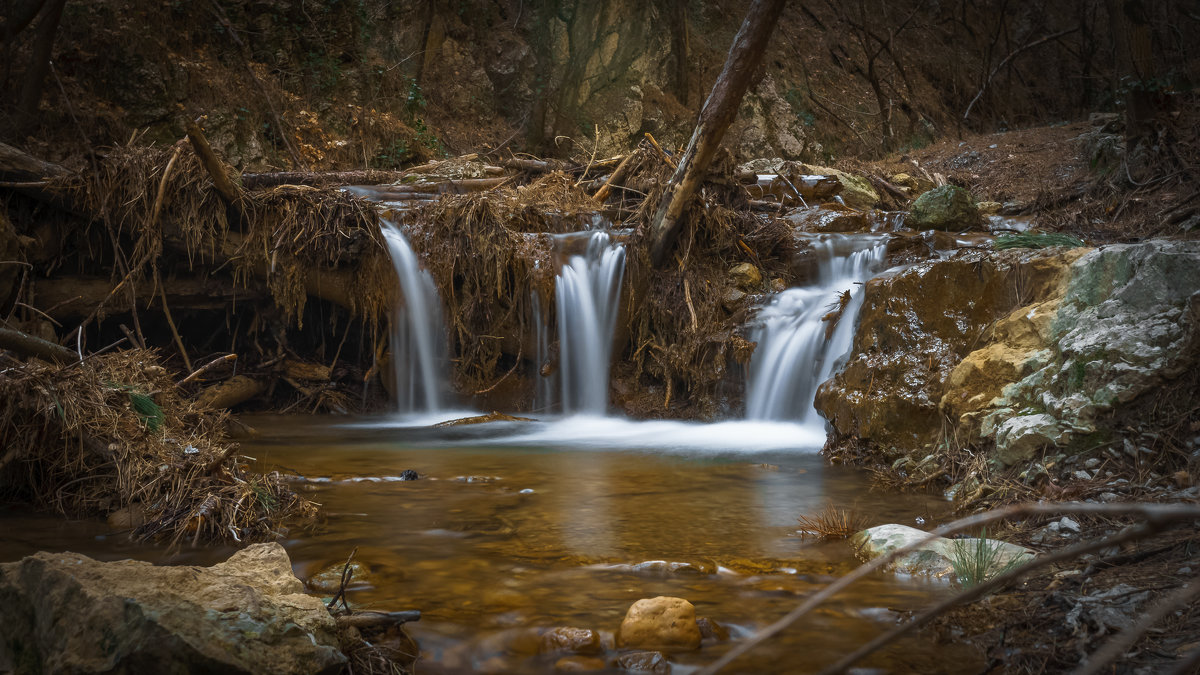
64 612
915 327
1128 321
932 558
948 207
662 623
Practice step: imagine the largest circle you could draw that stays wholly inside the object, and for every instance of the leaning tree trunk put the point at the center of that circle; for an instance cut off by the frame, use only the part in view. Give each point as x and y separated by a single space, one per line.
719 110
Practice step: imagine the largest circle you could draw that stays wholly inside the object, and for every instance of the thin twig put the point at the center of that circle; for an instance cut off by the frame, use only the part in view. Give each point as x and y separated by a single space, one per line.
347 573
1120 644
162 294
1152 513
206 367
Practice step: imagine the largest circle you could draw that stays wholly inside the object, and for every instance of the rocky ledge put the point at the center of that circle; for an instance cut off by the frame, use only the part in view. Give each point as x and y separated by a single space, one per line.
65 612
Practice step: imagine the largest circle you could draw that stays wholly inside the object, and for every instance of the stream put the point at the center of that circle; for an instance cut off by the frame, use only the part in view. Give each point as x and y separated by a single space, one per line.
512 526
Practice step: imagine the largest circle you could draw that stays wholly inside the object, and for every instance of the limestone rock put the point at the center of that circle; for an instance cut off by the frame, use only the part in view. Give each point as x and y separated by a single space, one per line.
746 276
660 623
948 207
64 612
1019 438
931 558
766 125
856 192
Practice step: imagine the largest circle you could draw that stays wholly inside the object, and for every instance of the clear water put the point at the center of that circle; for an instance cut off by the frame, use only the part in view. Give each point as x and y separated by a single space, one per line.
517 526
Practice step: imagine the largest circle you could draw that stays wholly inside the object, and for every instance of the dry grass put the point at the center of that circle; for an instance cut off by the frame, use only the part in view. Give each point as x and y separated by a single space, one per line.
113 433
833 523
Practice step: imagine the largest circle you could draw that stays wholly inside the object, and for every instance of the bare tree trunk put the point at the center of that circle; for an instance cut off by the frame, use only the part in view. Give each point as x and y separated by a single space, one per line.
39 64
745 55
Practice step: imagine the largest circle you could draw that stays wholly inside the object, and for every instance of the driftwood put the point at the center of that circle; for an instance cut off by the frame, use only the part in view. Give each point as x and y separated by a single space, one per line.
256 181
483 419
20 166
235 390
618 176
215 167
377 619
747 51
461 186
1151 517
65 298
28 345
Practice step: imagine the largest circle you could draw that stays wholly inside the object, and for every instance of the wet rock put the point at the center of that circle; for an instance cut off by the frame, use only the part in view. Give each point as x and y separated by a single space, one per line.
574 640
663 622
931 558
711 630
746 276
64 612
914 328
856 192
579 664
732 299
828 218
948 207
667 568
329 579
644 662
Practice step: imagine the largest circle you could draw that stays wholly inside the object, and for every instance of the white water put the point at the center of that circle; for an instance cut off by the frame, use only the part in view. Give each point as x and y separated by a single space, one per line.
798 348
418 338
588 292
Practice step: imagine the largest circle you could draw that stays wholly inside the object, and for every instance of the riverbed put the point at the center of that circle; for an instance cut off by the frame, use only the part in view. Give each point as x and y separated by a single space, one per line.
520 525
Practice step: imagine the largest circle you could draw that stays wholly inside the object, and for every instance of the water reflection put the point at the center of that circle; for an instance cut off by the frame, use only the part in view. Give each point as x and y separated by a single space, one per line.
498 538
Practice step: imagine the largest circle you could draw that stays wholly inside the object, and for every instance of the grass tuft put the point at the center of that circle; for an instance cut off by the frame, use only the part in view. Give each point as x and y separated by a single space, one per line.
979 560
833 523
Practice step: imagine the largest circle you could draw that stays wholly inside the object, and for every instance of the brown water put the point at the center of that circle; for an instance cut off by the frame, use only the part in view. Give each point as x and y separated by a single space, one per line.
501 534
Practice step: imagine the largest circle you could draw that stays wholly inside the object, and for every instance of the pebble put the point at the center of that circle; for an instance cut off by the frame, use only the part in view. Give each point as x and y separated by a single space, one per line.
1107 497
1082 475
1183 570
1092 463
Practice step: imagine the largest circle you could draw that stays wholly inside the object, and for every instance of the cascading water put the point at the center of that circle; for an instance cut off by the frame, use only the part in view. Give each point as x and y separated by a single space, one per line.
418 333
798 345
588 291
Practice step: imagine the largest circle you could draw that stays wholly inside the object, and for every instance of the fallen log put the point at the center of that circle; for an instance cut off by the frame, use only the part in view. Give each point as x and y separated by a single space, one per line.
28 345
460 186
66 298
747 51
618 177
215 167
258 181
237 389
20 166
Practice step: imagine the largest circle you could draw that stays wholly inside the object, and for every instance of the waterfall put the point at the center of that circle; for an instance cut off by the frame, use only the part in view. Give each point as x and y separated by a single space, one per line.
588 290
797 347
418 338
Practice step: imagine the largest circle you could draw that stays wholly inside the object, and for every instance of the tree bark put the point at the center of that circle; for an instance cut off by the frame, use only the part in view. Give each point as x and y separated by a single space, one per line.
17 165
28 345
39 65
215 167
719 110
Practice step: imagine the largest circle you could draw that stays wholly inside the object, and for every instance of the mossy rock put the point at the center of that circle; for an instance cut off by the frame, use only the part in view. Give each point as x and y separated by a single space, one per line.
948 207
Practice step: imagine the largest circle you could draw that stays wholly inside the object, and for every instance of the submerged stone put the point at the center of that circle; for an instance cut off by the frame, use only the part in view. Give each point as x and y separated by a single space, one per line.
663 622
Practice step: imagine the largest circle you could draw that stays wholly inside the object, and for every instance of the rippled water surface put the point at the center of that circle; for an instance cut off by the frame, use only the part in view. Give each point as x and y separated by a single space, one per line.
513 526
